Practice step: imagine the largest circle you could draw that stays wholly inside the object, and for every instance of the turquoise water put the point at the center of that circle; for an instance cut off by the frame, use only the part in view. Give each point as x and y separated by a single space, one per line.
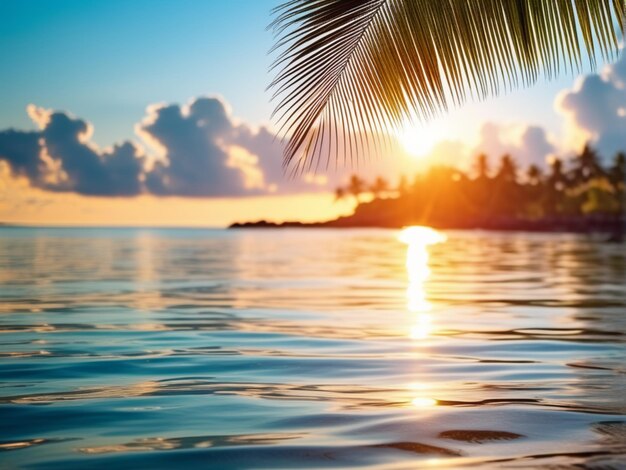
150 348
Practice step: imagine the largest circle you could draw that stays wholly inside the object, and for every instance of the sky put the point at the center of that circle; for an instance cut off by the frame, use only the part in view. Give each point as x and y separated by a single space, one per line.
155 113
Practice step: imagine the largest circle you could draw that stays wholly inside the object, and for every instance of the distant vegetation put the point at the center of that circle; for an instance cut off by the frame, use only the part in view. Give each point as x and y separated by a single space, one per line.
581 195
505 196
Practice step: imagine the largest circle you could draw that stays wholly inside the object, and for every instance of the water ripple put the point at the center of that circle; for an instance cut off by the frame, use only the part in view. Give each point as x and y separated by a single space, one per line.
270 349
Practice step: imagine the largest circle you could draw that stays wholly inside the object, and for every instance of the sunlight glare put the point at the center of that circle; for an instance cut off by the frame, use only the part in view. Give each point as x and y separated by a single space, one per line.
421 399
422 327
419 235
418 239
419 140
423 402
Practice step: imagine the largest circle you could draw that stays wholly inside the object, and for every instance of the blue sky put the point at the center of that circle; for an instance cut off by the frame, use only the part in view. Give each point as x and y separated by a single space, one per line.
107 60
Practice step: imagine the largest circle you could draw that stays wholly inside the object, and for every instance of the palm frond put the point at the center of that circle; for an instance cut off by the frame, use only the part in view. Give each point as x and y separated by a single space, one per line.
349 71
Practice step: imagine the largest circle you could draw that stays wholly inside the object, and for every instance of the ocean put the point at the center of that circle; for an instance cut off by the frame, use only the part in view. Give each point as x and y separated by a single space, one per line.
269 349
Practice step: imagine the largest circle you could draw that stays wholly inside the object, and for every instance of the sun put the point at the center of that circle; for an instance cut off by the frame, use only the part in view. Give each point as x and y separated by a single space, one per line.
418 140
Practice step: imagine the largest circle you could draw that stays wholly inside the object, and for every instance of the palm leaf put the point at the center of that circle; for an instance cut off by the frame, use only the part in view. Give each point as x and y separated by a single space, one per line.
349 71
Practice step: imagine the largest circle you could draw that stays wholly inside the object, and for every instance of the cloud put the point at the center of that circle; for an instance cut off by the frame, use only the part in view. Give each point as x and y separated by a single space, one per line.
60 157
205 152
527 143
84 169
20 150
196 150
269 149
194 143
595 109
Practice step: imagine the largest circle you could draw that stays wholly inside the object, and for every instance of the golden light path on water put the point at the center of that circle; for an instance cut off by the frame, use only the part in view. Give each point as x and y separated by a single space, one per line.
269 349
418 240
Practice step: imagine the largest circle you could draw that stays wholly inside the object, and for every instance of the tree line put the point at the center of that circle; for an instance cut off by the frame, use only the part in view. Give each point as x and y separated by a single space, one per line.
573 193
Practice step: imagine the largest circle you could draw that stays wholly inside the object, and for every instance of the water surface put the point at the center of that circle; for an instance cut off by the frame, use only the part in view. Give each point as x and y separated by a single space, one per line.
130 348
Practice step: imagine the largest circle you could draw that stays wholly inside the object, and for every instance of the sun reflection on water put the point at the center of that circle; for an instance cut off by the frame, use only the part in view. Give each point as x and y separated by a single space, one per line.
418 240
421 398
423 402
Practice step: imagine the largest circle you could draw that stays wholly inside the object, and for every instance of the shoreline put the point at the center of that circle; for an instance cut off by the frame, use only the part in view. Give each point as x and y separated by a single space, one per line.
578 225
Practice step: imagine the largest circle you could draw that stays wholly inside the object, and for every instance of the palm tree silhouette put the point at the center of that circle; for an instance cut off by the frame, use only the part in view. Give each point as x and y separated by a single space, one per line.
508 170
340 194
555 186
482 166
534 175
356 187
349 71
557 178
587 165
379 186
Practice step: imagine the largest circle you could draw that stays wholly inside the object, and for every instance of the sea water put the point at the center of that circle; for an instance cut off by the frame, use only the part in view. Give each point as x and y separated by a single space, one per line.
267 349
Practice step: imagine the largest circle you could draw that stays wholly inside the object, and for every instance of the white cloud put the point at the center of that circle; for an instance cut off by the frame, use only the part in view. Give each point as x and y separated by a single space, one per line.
594 109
